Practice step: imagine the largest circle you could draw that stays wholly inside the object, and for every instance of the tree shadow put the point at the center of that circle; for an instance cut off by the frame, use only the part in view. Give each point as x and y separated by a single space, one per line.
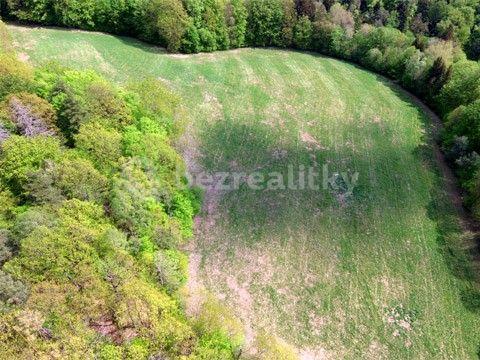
248 146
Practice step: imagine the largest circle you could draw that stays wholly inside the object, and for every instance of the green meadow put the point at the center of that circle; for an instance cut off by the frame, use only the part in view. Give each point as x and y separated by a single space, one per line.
369 275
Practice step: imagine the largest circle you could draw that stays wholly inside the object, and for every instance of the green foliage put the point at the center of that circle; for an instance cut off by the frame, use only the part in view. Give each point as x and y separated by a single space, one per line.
208 29
5 246
167 22
221 334
271 348
303 33
151 99
171 268
265 22
110 352
12 292
462 88
68 179
100 144
15 76
58 205
465 121
21 157
236 19
135 201
7 204
63 252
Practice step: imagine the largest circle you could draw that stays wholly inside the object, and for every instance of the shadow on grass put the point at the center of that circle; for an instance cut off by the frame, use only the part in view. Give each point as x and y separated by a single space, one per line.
249 146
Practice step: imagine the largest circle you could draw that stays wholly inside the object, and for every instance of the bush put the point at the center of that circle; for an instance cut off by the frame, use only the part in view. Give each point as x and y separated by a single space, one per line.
12 292
265 22
151 313
303 33
31 114
135 201
465 121
167 20
343 18
110 352
22 156
15 76
100 144
4 133
68 179
270 347
7 204
462 88
171 267
219 330
26 222
6 250
236 19
47 254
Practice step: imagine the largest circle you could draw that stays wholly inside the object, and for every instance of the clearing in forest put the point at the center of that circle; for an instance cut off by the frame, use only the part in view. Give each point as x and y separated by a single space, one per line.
337 276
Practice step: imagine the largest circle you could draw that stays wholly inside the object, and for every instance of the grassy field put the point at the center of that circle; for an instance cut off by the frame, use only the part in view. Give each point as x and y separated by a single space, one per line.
364 276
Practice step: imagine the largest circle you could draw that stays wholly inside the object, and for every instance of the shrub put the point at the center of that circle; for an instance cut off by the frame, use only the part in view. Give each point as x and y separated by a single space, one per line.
4 133
110 352
137 349
209 20
343 18
473 46
151 99
7 204
168 19
141 306
15 76
465 121
417 67
12 292
5 246
191 40
26 222
265 22
168 235
100 144
270 347
216 322
171 268
323 35
22 156
31 114
68 179
236 19
449 51
49 255
75 13
303 33
135 202
462 88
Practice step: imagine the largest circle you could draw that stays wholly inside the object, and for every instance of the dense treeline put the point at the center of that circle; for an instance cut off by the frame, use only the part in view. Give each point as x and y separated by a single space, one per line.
423 44
208 25
91 218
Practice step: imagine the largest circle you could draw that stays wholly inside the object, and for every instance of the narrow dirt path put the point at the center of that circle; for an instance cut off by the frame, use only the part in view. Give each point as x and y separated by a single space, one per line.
467 222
